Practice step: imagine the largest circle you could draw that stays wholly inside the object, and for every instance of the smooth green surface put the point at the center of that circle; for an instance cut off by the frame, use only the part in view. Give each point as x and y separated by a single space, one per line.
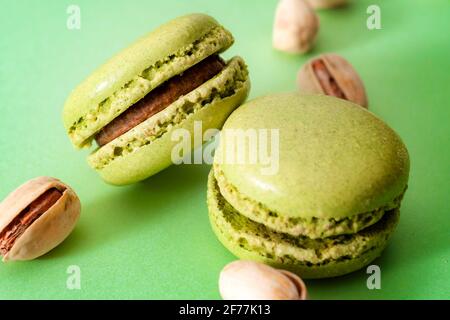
336 159
153 239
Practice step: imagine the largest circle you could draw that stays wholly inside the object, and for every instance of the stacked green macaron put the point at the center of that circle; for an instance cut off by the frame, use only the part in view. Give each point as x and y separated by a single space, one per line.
334 201
146 68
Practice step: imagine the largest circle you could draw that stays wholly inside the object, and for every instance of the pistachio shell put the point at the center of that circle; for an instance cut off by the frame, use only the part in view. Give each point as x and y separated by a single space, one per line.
325 4
47 231
341 71
295 27
298 282
248 280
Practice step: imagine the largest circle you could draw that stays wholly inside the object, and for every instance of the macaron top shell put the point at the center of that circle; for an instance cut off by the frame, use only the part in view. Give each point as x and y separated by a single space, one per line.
336 159
135 71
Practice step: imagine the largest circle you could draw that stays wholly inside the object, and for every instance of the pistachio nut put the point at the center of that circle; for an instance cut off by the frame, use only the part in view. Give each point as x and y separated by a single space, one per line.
295 27
332 75
326 4
36 217
249 280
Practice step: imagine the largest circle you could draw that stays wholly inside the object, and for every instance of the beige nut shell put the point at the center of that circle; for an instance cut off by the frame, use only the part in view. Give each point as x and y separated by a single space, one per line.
298 282
249 280
342 71
295 26
325 4
50 229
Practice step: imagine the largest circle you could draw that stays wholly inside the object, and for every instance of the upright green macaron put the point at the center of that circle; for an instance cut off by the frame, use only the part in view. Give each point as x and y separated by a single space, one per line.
333 201
165 81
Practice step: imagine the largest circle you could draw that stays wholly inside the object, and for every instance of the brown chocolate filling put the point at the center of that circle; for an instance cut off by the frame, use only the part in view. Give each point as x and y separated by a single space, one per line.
26 217
326 80
160 98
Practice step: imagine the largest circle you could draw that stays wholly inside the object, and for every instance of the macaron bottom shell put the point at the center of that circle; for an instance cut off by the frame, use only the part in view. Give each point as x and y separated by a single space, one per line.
250 240
155 155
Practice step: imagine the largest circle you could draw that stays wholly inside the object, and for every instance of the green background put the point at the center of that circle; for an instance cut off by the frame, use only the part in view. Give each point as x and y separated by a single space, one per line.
153 239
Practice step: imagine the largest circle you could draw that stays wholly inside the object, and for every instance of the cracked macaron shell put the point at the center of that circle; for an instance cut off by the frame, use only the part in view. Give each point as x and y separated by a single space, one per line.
135 71
336 159
221 95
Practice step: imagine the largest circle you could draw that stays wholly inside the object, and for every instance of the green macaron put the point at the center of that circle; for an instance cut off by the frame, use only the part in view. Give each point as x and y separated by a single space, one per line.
165 81
333 201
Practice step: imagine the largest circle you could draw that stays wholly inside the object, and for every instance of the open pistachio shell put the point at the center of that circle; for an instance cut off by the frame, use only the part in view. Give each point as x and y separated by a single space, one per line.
47 229
332 75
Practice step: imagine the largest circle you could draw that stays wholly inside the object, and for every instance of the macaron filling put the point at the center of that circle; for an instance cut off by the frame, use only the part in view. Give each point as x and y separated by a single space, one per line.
314 227
285 249
160 98
231 81
26 217
84 128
